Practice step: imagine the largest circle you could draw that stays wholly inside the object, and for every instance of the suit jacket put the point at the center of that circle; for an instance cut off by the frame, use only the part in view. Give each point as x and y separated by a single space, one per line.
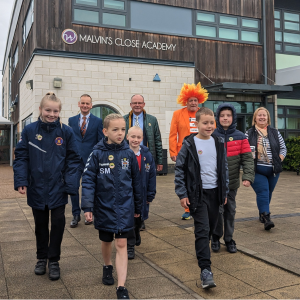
92 135
180 126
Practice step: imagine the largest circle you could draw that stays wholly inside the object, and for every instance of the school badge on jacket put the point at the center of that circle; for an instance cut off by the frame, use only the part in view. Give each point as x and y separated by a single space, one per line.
59 141
125 164
147 167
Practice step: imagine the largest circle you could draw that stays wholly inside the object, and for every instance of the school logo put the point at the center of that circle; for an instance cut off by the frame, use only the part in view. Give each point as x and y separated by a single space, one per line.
111 165
125 164
200 152
110 157
147 167
104 170
69 36
231 139
144 158
38 137
59 141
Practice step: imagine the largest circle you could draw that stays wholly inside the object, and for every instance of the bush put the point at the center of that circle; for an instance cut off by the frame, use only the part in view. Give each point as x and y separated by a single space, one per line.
292 160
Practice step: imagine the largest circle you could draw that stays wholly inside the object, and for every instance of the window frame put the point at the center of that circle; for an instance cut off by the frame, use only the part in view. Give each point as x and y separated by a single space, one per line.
101 9
285 115
14 64
217 24
283 30
24 38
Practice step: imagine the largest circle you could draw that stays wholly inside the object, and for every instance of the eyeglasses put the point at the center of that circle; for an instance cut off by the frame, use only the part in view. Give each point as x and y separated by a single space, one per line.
137 103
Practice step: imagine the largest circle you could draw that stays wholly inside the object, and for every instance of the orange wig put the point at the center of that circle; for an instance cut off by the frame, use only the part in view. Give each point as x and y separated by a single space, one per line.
191 90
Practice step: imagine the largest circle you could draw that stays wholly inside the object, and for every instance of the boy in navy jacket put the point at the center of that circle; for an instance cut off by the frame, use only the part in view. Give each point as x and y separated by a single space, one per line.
148 179
111 190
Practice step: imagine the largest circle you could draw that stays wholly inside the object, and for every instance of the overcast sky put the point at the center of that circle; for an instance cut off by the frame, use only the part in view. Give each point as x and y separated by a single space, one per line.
5 13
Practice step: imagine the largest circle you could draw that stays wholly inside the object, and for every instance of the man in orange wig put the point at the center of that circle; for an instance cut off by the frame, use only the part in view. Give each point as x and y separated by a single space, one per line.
183 121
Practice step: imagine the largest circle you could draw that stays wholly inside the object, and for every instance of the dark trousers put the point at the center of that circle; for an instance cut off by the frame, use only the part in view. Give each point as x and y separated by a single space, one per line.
75 204
228 217
264 185
205 220
49 249
134 233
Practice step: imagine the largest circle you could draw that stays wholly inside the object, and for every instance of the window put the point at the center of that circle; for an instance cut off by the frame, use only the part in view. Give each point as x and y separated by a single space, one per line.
101 111
287 34
3 101
27 121
227 27
15 58
288 121
111 13
28 21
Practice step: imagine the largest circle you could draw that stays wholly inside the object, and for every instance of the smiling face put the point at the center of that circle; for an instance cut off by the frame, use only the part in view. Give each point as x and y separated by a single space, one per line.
50 110
85 105
134 137
206 126
262 118
225 118
115 132
192 104
137 104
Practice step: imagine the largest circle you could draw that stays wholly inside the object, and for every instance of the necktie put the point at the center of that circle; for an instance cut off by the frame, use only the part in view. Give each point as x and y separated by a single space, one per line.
137 121
83 127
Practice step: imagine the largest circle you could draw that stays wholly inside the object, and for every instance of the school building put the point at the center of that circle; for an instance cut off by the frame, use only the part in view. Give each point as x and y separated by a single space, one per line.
112 49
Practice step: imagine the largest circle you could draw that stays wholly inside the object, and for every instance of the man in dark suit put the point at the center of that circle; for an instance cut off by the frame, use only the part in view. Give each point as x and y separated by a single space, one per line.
88 132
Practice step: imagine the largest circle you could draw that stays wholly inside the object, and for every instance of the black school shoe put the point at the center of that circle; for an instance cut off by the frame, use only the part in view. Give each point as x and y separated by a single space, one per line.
267 220
122 293
231 246
40 267
143 227
107 277
261 219
207 279
131 253
215 244
54 270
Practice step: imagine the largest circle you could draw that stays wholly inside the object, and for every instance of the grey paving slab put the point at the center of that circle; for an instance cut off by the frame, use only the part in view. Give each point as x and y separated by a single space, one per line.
290 292
43 294
20 245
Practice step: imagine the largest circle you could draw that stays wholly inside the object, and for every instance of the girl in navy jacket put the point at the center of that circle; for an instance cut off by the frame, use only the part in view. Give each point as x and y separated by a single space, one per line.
46 168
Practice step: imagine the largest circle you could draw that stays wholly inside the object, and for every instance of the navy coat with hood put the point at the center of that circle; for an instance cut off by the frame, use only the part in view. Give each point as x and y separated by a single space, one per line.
47 162
148 176
111 187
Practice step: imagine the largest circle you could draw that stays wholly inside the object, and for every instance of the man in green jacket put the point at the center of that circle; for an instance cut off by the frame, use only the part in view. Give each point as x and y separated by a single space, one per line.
149 125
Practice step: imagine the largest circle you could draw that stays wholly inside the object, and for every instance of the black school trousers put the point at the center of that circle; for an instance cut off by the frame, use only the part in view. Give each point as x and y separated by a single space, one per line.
48 244
205 220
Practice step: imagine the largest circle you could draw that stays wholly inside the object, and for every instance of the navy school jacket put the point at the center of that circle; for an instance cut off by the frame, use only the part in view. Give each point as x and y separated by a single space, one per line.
111 187
48 163
148 177
92 136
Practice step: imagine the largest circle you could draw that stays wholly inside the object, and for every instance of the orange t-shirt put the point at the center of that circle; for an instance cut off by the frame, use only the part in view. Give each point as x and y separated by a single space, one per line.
192 120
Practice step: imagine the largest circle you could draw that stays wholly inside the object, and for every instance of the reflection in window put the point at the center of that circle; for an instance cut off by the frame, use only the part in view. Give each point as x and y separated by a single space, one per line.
289 48
230 34
206 31
281 123
291 26
291 17
87 16
250 23
205 17
250 36
114 19
278 36
28 21
87 2
291 38
292 123
228 20
114 4
101 111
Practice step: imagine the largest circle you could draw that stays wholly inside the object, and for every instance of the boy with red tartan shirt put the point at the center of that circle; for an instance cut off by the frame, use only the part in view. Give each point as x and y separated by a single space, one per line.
238 154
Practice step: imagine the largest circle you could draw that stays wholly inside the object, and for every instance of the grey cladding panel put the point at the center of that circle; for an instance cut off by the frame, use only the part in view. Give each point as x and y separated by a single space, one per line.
161 18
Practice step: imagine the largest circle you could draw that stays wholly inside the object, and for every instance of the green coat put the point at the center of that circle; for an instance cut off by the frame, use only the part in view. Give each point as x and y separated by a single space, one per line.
152 134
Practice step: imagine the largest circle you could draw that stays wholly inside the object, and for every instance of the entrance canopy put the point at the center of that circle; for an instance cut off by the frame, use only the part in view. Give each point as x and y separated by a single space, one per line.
247 88
6 125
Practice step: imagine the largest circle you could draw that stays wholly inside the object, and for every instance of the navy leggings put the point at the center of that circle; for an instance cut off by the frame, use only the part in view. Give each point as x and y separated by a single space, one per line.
264 185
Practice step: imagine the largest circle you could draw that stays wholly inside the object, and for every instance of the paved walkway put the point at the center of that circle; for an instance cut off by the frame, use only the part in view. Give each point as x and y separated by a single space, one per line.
165 265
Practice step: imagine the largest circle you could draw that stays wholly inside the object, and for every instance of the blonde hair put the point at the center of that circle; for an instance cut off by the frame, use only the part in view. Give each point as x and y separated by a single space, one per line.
52 97
256 113
134 128
110 117
203 111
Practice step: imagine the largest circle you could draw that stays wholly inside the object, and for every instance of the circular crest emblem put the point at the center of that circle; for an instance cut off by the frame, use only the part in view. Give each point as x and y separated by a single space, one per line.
38 137
231 139
110 157
59 141
200 152
69 36
111 165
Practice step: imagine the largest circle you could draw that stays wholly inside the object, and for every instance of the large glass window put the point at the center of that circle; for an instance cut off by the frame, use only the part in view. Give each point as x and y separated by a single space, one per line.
26 121
288 121
15 58
28 21
101 111
112 13
227 27
287 34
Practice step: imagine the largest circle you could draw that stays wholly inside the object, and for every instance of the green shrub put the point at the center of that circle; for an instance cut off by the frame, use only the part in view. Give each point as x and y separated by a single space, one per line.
292 160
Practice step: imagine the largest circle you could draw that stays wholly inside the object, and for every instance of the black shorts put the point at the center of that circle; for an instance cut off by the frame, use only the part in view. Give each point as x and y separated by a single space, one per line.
108 237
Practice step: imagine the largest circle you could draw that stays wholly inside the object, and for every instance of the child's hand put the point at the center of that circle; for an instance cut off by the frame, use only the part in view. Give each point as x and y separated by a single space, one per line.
22 189
225 202
246 183
136 215
89 216
185 202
